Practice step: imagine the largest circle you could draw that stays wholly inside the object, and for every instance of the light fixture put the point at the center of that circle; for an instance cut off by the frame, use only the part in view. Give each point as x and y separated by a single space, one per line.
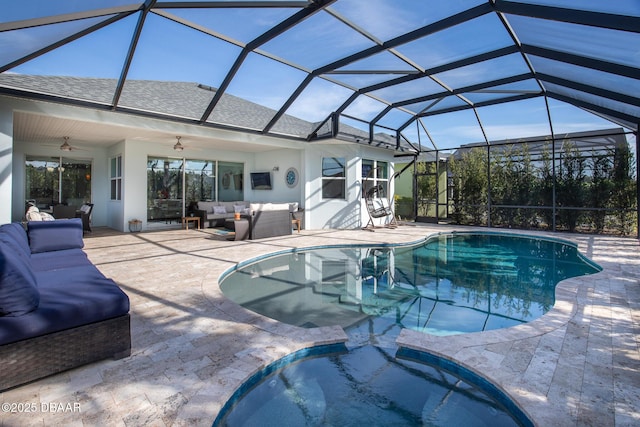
178 146
65 145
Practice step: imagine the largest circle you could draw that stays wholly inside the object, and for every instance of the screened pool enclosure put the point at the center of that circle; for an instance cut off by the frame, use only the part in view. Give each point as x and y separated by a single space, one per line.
584 182
496 92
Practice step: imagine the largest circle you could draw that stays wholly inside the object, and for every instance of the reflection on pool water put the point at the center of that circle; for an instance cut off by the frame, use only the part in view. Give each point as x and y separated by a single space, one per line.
367 386
450 284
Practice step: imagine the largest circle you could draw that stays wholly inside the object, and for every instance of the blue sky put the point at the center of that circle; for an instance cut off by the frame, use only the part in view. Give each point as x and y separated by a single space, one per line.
170 51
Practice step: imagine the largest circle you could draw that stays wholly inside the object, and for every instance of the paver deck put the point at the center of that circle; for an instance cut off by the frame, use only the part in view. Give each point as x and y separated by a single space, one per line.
578 365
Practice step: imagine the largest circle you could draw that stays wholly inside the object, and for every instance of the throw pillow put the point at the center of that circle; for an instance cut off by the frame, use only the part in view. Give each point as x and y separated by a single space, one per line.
46 216
219 210
239 208
55 236
33 214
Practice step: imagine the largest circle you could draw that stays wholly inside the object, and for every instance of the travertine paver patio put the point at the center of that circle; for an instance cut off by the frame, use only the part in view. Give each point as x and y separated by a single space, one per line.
577 365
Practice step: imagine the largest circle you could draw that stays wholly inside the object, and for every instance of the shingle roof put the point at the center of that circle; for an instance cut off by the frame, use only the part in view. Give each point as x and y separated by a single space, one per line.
181 99
178 99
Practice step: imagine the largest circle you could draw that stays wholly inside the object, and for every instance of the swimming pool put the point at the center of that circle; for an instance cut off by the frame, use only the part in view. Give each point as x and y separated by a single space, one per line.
448 284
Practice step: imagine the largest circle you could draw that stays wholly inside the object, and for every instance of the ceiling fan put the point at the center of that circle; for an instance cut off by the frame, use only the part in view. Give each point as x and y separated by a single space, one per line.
66 146
179 146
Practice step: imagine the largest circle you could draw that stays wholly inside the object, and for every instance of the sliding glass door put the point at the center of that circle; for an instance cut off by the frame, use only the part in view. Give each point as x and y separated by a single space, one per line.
164 189
174 186
200 181
57 180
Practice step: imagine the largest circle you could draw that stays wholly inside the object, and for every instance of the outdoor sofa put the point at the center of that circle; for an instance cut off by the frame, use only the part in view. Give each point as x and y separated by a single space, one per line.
265 219
57 310
213 214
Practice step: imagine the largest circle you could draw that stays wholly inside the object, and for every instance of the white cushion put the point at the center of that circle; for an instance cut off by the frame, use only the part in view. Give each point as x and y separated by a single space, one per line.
47 216
33 214
239 208
219 210
270 207
280 207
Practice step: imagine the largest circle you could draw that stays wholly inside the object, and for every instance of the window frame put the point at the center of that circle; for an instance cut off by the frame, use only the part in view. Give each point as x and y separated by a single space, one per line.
377 178
330 181
115 178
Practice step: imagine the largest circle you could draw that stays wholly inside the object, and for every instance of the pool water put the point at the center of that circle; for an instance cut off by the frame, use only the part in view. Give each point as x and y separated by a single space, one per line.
366 386
449 284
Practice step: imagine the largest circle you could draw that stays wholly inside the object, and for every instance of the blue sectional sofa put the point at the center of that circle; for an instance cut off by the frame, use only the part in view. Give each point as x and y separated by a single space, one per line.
57 310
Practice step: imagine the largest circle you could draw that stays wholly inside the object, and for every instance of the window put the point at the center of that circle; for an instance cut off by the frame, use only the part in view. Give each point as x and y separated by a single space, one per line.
57 180
375 173
43 181
115 175
75 182
333 178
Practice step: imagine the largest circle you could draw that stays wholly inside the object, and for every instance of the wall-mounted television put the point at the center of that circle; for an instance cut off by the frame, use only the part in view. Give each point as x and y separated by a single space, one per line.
260 180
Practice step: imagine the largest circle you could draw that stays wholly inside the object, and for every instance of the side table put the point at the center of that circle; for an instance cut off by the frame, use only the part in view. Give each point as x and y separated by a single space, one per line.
187 219
240 226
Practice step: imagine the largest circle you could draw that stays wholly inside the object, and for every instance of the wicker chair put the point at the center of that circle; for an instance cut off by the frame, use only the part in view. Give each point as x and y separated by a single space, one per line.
85 213
64 211
378 206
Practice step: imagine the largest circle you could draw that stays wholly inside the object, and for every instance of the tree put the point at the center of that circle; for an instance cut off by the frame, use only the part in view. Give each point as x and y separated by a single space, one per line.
544 188
470 187
600 188
570 187
623 198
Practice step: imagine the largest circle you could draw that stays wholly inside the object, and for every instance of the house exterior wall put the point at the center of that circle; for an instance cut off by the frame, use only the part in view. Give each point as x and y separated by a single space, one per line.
351 212
135 154
282 159
273 155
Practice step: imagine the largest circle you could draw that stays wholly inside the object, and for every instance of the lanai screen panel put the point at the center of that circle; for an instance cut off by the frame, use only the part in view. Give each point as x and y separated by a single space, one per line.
293 68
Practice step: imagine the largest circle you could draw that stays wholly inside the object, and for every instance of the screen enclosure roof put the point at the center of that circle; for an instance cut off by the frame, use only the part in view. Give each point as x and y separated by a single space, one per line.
408 75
